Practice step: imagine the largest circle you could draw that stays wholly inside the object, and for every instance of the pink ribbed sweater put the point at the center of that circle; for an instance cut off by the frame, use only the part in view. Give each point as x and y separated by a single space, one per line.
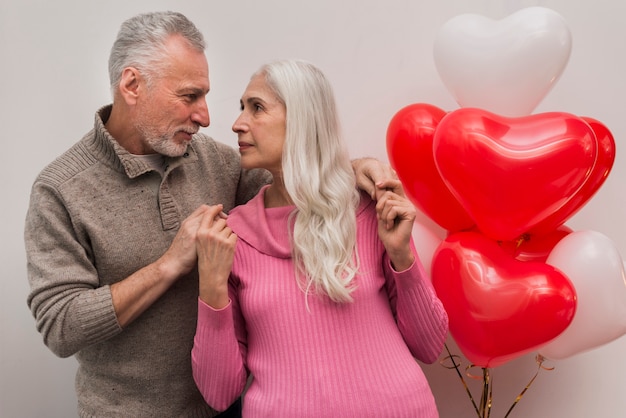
332 360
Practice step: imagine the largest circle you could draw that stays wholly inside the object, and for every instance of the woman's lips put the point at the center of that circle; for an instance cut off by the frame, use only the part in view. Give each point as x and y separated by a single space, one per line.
244 146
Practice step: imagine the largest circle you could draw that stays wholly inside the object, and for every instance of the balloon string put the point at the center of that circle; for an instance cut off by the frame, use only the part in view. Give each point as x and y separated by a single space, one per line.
486 398
486 401
539 359
455 366
518 241
523 238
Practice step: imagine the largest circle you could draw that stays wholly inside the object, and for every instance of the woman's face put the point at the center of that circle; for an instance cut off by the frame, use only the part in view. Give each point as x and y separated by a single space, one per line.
261 127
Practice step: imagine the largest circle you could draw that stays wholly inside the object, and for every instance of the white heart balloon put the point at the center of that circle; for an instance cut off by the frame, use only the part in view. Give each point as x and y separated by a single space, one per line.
504 66
592 263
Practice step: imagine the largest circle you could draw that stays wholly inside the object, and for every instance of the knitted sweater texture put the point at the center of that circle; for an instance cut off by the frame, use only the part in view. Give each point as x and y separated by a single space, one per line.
328 360
97 214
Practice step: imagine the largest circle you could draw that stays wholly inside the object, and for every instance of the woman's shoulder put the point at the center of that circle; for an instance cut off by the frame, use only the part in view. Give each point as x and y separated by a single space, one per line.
366 206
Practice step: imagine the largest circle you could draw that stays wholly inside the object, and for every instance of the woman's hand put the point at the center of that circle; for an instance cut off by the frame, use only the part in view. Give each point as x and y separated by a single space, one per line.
396 216
215 246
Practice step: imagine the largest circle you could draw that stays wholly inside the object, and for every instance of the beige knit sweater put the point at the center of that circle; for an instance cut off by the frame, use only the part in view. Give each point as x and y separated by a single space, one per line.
97 214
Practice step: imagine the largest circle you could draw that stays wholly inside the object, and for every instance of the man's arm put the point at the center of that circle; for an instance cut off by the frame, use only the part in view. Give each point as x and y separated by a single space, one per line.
71 306
133 295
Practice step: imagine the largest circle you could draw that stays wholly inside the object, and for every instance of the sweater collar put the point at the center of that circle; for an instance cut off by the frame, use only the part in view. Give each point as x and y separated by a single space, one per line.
269 230
266 230
108 150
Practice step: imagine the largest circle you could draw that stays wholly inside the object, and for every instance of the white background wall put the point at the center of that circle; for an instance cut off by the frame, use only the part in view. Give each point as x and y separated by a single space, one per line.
378 54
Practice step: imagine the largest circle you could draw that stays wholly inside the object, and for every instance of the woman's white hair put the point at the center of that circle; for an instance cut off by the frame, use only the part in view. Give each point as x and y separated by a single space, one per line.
319 178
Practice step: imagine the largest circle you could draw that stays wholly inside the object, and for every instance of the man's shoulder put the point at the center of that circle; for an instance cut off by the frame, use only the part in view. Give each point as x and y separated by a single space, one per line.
209 149
71 162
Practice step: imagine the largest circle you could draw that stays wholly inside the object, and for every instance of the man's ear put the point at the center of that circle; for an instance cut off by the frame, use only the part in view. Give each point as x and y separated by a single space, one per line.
129 85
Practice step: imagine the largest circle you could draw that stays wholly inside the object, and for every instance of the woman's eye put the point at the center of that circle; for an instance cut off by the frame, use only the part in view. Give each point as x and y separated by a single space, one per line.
251 106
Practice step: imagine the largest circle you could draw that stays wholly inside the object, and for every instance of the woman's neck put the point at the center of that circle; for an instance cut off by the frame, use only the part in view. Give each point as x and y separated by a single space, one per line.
276 195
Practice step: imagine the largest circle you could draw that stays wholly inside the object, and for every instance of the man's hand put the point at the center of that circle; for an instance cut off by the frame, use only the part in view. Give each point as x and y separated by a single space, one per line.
374 177
181 257
136 293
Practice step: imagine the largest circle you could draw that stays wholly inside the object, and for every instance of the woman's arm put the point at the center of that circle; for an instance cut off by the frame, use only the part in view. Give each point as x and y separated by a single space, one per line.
421 318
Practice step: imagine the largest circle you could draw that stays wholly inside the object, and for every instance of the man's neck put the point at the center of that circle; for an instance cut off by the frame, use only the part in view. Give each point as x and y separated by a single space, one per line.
120 128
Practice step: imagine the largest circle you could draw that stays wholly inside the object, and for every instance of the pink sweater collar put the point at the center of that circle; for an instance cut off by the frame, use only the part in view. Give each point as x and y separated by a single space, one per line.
268 229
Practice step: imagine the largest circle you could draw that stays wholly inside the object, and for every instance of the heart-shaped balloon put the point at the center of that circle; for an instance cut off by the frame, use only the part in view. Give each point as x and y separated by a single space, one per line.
499 308
512 173
597 176
410 150
593 264
505 66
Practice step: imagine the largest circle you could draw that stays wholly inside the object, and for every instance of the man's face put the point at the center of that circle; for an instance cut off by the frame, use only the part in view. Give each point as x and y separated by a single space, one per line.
173 106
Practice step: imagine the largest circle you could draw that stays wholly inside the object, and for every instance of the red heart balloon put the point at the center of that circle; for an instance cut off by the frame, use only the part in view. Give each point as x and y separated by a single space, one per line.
499 308
512 173
410 150
599 173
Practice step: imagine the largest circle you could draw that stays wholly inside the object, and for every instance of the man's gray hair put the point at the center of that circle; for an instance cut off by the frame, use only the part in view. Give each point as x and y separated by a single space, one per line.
141 40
